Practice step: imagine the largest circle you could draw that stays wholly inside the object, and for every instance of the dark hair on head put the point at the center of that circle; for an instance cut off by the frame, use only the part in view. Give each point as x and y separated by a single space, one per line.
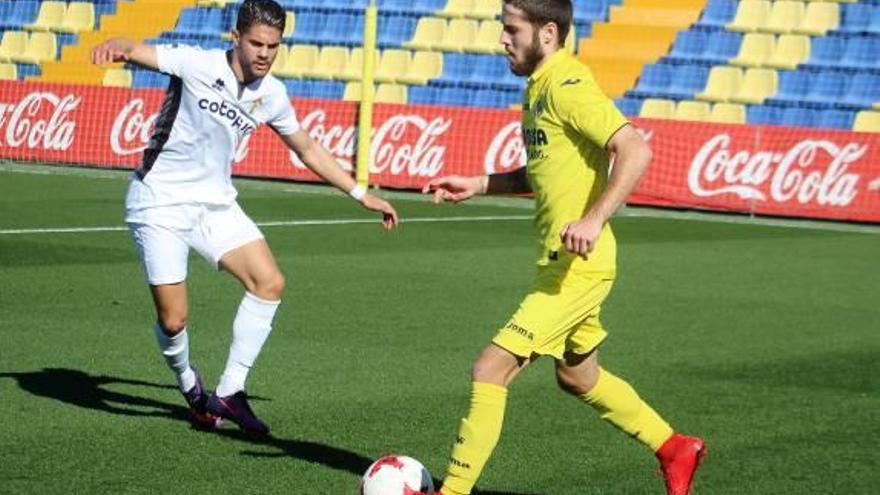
541 12
266 12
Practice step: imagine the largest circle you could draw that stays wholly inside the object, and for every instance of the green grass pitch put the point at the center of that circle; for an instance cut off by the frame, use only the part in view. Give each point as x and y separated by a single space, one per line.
762 338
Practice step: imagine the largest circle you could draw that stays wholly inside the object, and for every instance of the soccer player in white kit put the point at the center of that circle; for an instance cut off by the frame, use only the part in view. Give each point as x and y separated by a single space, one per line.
182 196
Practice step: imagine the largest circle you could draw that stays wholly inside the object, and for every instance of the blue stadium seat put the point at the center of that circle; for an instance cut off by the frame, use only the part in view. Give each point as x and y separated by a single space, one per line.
835 119
590 10
456 67
25 70
687 80
874 26
718 13
339 28
148 79
309 25
422 95
654 81
721 47
629 106
395 29
331 90
689 45
413 7
826 89
855 17
864 90
490 71
763 115
486 97
13 15
825 51
793 87
798 117
862 52
201 21
454 96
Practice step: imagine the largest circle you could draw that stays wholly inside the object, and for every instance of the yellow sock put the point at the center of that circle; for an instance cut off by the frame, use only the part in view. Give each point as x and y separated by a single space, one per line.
620 405
477 437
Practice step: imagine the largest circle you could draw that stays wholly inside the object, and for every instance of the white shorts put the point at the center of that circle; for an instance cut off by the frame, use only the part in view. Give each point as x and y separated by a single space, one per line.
164 235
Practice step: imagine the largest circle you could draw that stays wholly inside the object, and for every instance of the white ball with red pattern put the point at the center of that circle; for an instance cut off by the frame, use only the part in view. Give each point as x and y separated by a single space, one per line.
397 475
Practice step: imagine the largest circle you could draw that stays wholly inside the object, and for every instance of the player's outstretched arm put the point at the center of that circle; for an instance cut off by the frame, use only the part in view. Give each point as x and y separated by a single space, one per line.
320 162
125 50
455 188
631 158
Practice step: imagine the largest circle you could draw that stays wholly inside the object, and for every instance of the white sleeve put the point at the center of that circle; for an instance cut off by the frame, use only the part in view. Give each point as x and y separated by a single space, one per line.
284 119
176 59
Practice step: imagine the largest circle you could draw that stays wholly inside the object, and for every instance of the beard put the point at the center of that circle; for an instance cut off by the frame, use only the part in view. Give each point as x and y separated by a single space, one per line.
531 57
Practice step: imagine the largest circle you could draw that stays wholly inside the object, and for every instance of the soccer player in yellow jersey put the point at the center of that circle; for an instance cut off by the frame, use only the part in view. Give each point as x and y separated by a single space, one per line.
570 130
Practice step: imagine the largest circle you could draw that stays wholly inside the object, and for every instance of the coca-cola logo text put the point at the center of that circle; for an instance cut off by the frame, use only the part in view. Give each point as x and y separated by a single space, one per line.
39 120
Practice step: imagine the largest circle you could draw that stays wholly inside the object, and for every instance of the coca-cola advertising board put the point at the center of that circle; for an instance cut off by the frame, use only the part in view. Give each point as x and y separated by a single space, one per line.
762 169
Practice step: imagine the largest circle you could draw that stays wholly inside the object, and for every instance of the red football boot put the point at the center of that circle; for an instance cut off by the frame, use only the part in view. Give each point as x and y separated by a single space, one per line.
679 458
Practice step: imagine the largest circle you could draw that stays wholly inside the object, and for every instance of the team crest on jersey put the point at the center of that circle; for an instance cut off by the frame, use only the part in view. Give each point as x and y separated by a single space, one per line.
570 82
538 107
256 104
219 85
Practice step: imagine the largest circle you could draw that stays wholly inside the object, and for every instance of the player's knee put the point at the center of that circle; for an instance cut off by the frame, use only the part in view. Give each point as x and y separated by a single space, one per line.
485 371
575 384
172 324
270 288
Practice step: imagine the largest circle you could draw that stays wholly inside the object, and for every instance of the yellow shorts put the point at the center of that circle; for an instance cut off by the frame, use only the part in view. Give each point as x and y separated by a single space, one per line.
561 314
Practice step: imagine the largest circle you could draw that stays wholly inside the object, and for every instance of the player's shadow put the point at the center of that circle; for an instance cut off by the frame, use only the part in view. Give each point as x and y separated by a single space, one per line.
84 390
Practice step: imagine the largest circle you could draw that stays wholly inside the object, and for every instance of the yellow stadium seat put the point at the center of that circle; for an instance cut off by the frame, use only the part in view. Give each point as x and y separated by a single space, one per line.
570 40
485 9
757 86
723 82
353 91
289 24
331 63
429 32
460 34
691 110
80 16
456 8
785 16
867 121
8 72
300 59
790 51
487 38
750 15
819 18
392 64
424 67
41 47
728 113
214 3
391 93
49 18
656 108
117 78
12 44
280 59
354 69
755 49
876 106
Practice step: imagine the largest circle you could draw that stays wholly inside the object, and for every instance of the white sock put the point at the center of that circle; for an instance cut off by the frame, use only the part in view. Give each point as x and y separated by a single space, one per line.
176 352
251 328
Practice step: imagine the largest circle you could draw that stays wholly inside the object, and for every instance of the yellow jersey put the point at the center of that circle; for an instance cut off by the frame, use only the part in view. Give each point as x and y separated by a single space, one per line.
566 123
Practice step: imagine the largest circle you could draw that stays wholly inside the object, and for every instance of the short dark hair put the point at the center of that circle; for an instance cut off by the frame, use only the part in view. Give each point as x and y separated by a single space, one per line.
540 12
266 12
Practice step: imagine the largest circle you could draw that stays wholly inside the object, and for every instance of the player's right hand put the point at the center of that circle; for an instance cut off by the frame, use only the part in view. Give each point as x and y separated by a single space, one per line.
110 51
390 218
454 188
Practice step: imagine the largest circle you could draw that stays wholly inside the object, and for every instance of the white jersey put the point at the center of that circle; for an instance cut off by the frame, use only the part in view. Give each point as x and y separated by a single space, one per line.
200 125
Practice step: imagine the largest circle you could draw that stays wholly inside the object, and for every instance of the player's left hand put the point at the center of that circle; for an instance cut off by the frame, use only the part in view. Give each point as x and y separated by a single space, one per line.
580 237
389 214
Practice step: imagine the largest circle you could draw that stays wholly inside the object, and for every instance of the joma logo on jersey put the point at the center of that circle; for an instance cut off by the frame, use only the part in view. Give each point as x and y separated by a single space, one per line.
229 113
535 137
513 327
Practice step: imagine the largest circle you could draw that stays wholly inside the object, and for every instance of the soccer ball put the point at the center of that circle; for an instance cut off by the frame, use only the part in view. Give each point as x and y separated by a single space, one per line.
396 475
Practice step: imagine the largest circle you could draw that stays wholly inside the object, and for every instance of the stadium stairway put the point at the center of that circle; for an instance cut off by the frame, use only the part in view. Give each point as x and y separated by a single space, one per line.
637 32
134 19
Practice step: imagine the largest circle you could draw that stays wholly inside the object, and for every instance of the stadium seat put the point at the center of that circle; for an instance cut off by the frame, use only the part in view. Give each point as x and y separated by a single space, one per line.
49 18
691 110
835 119
353 91
80 16
825 51
8 72
763 115
687 80
793 87
785 16
330 64
861 52
856 17
688 45
819 18
757 86
718 13
797 117
429 32
874 26
309 26
751 15
458 97
790 51
723 83
394 30
392 64
456 9
461 33
280 59
12 45
728 113
41 47
289 24
655 108
391 93
654 80
300 59
118 78
721 47
200 21
755 50
354 69
486 40
827 88
485 9
422 95
13 15
864 90
629 106
867 121
425 66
